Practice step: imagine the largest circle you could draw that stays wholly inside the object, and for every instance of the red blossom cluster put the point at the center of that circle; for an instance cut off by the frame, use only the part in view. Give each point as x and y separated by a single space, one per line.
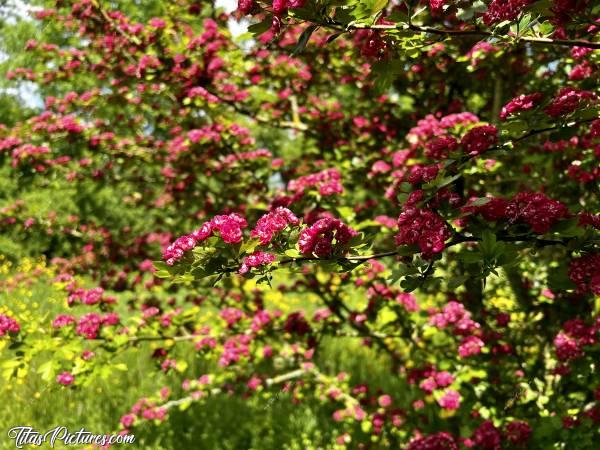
501 10
422 227
479 139
272 223
568 100
229 228
8 325
328 182
318 239
585 273
454 314
520 103
570 342
440 148
88 325
532 208
256 259
88 297
437 441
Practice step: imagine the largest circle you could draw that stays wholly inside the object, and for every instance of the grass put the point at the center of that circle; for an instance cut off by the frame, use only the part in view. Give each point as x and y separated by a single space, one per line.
219 422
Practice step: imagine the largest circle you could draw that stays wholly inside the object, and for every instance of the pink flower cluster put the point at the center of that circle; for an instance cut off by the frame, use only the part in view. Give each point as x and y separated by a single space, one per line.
89 297
501 10
246 156
62 320
441 147
585 273
575 335
318 238
430 127
469 346
65 378
88 325
533 208
280 6
229 227
234 348
436 380
295 323
406 299
520 103
143 409
272 223
436 5
422 174
487 436
327 181
231 315
450 400
454 314
479 139
8 325
536 210
589 219
256 259
424 228
568 100
518 433
245 6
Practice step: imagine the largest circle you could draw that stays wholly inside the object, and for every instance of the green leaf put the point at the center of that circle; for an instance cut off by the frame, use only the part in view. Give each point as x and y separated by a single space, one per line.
47 370
367 8
385 72
467 13
480 201
259 28
303 40
249 246
558 279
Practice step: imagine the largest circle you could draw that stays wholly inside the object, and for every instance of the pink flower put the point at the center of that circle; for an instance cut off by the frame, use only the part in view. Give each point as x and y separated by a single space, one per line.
245 6
8 325
254 383
443 379
256 259
156 22
231 315
65 378
89 325
469 346
520 103
501 10
479 139
384 401
567 101
518 432
317 239
487 436
438 441
424 228
450 400
272 223
127 420
229 227
327 181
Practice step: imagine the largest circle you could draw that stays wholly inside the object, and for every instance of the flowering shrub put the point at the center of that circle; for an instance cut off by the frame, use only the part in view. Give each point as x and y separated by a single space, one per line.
385 213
